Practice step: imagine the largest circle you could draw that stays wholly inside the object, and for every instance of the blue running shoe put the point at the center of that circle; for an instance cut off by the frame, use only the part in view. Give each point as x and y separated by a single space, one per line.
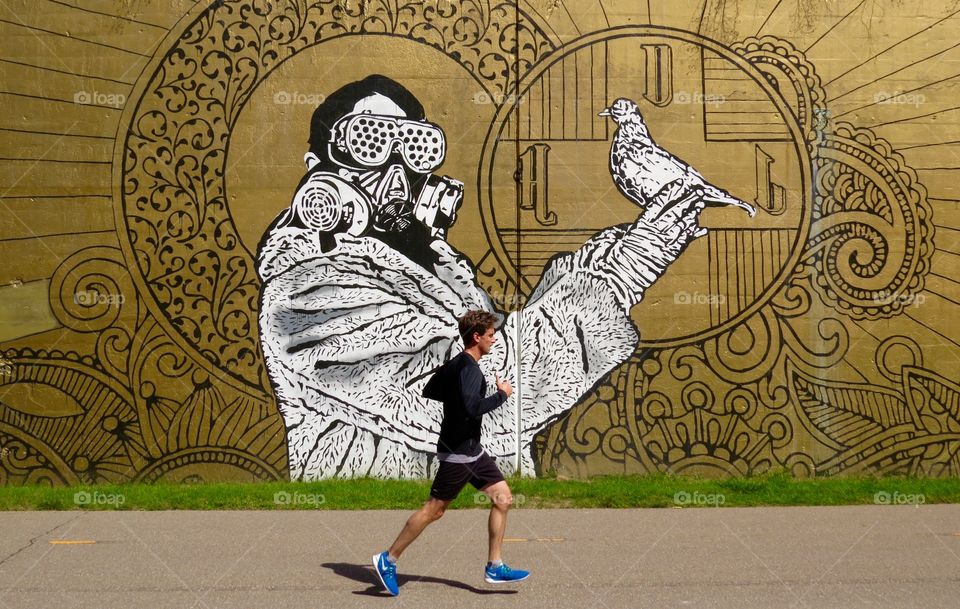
504 574
387 573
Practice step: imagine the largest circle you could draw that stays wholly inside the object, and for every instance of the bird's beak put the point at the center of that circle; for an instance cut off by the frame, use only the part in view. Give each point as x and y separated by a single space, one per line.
604 112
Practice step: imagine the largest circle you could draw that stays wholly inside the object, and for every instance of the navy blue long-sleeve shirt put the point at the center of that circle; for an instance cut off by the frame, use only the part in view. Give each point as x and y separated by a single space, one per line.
460 385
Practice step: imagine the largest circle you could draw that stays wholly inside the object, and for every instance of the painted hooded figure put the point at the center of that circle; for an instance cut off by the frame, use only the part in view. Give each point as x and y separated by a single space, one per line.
361 295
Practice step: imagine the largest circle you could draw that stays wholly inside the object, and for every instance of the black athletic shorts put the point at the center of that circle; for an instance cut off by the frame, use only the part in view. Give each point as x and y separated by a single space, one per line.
452 477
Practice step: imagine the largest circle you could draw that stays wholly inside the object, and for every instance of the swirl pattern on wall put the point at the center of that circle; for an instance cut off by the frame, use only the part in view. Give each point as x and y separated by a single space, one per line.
872 238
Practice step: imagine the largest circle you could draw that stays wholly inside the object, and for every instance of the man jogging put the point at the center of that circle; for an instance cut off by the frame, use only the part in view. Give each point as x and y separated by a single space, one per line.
460 385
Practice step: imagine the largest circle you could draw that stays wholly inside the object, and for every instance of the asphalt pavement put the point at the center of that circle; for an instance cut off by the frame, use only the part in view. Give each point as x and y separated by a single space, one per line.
897 556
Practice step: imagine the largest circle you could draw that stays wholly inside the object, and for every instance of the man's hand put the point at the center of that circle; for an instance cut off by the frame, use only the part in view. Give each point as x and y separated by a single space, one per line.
504 386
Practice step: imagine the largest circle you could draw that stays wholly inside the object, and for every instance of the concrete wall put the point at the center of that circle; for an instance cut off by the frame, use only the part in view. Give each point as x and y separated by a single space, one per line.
185 295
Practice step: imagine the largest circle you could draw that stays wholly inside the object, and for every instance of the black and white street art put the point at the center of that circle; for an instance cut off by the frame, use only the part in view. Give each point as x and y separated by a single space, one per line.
361 290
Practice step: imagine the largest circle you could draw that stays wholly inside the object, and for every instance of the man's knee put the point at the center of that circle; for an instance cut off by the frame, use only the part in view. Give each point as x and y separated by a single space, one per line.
500 496
435 509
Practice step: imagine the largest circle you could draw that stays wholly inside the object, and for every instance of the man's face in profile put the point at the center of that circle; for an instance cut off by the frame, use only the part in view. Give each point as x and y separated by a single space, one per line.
486 340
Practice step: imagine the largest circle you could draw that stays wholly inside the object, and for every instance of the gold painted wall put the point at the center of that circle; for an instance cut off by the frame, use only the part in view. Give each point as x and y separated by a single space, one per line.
147 145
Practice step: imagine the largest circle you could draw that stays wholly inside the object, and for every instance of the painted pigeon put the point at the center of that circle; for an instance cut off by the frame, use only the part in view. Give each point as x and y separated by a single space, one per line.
650 176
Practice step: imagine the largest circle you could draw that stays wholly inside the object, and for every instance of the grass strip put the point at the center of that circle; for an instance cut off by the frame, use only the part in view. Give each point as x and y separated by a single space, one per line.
647 491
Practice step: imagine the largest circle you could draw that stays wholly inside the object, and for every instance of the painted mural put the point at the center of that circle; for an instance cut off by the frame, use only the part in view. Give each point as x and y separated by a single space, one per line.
721 238
361 291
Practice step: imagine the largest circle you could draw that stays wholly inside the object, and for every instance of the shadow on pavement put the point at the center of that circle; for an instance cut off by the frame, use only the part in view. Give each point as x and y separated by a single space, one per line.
364 574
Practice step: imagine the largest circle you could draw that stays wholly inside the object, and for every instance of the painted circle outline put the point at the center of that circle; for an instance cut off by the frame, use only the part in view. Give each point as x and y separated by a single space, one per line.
494 132
144 291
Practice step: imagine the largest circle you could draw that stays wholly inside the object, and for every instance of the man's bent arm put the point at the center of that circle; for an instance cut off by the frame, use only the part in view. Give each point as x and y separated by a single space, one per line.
473 402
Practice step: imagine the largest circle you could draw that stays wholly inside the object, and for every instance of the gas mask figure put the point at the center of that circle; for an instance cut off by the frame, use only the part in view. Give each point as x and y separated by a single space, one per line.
361 293
373 177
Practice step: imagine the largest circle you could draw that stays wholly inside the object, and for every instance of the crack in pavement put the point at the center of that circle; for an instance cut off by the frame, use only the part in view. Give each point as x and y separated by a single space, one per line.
33 540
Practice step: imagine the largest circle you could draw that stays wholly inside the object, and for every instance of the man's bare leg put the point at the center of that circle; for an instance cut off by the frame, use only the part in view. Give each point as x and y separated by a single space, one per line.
500 500
431 511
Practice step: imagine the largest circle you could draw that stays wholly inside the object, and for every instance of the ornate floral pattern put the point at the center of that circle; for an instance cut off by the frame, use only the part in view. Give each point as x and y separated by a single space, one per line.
178 221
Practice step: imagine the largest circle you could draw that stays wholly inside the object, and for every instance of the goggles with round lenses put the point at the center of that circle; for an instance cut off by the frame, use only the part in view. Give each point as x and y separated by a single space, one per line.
370 139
